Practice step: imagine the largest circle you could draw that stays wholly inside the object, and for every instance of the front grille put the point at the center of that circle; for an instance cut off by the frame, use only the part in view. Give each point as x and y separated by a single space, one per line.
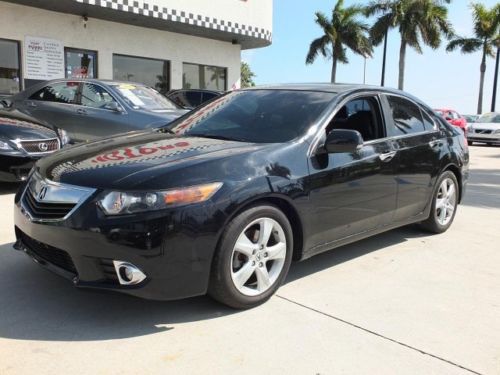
46 145
483 131
44 210
50 254
109 272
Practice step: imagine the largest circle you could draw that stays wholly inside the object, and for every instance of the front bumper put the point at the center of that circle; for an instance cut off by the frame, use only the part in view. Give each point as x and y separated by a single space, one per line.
173 248
478 137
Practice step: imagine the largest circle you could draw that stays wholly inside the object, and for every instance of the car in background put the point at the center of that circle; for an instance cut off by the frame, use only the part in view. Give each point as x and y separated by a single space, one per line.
92 109
471 118
223 199
486 129
24 140
190 98
454 118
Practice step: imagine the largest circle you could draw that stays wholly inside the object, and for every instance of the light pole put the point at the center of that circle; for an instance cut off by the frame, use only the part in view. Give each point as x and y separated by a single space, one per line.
382 83
364 73
495 83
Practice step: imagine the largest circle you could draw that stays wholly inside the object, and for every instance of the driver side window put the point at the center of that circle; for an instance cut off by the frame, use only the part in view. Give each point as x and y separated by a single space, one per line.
361 114
95 96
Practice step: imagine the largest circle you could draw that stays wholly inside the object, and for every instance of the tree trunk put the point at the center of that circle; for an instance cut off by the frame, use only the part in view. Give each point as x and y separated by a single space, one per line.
402 58
481 84
334 69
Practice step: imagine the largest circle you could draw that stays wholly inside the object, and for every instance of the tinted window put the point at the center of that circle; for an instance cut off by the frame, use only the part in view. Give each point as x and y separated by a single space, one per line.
10 71
62 92
261 116
203 77
406 115
80 63
428 121
95 96
151 72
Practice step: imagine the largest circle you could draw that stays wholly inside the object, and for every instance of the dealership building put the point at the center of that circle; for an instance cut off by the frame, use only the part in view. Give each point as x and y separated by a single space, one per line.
166 44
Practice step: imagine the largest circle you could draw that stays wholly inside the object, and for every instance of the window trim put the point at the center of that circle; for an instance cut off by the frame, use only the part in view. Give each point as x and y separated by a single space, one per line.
20 63
169 69
386 97
72 49
213 66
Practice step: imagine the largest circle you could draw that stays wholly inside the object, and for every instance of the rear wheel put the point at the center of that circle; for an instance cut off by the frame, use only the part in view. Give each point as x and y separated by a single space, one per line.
444 204
253 258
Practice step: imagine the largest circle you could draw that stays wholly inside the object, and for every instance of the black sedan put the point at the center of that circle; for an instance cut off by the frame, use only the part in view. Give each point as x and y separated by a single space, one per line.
92 109
222 200
24 140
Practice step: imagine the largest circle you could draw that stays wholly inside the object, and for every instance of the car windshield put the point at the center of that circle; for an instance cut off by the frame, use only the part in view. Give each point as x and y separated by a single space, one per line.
490 117
257 116
143 97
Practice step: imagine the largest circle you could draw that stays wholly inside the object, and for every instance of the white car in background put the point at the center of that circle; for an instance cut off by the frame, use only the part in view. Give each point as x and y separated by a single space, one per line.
486 129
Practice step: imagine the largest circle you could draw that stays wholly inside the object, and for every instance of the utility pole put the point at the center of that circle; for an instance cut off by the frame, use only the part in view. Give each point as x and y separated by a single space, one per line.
495 83
364 73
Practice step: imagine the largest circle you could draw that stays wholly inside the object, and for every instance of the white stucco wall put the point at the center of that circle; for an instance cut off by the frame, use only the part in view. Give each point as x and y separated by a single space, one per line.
106 37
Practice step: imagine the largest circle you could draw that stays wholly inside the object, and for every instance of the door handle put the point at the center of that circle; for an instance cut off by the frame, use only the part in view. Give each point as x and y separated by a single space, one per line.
81 111
388 156
435 143
31 104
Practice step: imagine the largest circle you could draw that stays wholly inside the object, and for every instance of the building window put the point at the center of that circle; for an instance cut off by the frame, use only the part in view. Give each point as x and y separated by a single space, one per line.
204 77
151 72
80 63
10 67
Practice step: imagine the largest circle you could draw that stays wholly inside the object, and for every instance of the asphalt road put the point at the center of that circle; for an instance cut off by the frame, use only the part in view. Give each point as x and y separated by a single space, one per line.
403 302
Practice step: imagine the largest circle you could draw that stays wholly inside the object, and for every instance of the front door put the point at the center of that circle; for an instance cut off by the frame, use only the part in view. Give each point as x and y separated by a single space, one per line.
353 192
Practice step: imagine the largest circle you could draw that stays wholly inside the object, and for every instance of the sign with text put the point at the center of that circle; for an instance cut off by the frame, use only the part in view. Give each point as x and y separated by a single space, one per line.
44 58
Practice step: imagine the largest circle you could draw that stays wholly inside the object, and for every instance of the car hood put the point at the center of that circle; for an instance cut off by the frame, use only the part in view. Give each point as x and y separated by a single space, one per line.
485 125
15 125
133 159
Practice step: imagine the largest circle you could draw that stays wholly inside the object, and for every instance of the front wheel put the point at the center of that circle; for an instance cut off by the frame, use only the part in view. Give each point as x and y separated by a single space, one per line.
253 258
444 204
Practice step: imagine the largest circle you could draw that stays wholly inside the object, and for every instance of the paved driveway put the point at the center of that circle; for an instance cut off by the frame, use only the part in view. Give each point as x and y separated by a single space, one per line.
400 303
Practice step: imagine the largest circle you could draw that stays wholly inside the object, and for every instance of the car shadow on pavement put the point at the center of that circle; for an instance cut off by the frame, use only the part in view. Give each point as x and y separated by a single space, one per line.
38 305
346 253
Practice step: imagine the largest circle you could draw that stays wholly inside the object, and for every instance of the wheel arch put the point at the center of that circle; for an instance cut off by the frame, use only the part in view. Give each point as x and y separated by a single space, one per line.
458 174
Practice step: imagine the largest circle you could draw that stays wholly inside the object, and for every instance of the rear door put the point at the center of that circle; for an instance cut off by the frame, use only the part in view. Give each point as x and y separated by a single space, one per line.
418 144
55 104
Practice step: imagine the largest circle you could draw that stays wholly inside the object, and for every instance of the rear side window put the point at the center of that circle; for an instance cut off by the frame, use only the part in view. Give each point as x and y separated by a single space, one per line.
406 115
428 121
62 92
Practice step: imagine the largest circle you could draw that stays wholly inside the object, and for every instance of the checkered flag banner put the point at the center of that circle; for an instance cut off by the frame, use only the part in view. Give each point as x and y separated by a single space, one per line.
144 8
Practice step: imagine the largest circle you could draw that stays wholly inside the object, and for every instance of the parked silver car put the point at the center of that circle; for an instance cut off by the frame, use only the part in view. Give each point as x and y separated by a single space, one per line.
486 129
93 109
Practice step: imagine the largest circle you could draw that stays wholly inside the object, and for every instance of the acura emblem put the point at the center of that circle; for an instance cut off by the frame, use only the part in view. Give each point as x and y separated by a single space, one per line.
43 146
42 193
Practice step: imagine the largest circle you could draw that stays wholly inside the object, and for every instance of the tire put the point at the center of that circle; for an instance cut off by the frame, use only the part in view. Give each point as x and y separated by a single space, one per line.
439 221
242 248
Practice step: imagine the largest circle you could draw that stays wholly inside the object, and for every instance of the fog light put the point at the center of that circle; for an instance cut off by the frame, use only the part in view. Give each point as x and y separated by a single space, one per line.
127 273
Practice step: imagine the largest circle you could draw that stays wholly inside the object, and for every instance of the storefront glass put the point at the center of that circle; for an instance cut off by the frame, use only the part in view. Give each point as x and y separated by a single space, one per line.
203 77
151 72
10 67
80 63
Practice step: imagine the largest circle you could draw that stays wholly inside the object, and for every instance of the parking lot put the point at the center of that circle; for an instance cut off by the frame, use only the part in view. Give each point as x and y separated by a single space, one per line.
401 302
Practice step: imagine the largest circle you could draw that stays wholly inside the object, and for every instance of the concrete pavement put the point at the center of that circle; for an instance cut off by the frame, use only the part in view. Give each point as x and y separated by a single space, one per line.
403 302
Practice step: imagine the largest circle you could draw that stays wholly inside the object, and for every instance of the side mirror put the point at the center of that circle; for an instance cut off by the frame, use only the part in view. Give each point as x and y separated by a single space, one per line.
5 103
343 140
448 118
113 106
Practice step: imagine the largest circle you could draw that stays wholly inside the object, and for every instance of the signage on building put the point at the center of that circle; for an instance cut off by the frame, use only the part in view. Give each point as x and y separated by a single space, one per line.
44 58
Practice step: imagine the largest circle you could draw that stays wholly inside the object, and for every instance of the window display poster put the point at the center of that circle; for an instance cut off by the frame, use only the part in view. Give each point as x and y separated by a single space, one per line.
44 58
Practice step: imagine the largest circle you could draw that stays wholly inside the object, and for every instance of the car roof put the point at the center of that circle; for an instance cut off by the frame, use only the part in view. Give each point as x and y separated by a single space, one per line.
335 88
94 80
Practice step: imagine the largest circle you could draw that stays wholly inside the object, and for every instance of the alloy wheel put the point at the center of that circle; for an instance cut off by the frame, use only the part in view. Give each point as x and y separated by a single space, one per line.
446 201
258 256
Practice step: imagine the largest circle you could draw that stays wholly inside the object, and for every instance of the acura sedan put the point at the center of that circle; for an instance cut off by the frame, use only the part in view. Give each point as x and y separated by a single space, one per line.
223 199
92 109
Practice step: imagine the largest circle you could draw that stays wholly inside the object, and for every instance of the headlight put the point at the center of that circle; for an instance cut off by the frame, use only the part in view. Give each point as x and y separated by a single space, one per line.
497 131
5 146
120 203
63 135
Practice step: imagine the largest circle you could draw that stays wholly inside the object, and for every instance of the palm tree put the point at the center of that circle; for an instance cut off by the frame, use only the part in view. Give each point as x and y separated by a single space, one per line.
418 21
486 39
343 29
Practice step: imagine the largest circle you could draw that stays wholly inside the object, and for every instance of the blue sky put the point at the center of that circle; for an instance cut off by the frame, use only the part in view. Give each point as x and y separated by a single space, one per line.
439 78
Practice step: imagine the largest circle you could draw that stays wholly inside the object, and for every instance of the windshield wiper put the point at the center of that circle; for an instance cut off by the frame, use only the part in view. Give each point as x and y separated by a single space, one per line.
216 136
